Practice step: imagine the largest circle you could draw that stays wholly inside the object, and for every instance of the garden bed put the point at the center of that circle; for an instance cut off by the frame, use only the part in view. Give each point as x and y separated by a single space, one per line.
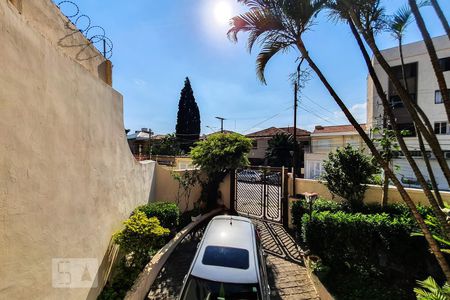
365 254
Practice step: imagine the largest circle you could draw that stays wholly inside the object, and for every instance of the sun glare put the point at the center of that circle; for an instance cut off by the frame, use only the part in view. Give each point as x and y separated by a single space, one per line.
223 12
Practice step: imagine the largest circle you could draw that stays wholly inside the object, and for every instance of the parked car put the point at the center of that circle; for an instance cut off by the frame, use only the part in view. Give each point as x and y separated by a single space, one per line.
229 263
249 176
273 178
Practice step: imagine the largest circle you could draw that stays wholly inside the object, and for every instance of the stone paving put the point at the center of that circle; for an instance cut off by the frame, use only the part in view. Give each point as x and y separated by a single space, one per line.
288 277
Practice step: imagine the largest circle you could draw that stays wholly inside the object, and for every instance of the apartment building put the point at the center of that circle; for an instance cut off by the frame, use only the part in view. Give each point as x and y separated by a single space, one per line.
325 139
424 89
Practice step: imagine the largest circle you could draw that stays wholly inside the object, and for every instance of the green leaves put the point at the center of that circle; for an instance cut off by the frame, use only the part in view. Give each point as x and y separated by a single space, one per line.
221 152
346 173
429 290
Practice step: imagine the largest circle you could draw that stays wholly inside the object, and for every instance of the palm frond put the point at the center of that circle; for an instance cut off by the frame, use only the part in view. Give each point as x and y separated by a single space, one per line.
400 20
269 49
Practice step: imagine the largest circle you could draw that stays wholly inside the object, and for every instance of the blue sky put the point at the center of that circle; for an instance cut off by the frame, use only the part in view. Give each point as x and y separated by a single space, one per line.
157 43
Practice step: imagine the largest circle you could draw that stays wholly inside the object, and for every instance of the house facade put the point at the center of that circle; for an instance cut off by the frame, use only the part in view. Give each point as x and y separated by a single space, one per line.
260 140
424 89
325 139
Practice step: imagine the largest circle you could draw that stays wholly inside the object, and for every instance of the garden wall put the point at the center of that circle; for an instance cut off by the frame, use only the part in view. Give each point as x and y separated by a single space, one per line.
372 195
67 177
166 189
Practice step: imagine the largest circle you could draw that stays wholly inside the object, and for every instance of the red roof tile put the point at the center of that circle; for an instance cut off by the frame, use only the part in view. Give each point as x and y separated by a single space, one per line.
335 129
271 131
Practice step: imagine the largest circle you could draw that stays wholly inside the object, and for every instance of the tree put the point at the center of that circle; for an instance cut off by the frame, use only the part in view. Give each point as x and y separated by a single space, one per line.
347 171
167 146
188 118
219 154
388 146
279 25
279 149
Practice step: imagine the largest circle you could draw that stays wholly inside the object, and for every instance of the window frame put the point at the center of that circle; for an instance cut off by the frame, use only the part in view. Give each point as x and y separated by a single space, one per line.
439 130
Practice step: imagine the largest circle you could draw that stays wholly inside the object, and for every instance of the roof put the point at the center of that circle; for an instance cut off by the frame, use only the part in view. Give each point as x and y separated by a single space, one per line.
228 231
336 129
140 135
271 131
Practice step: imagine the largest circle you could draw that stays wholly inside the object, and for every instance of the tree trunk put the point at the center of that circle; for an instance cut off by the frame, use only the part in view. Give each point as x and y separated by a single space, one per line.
407 101
430 171
427 234
433 56
387 109
384 199
441 16
419 135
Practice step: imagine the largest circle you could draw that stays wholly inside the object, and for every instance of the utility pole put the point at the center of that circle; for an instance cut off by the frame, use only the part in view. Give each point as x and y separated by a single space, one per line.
221 123
294 167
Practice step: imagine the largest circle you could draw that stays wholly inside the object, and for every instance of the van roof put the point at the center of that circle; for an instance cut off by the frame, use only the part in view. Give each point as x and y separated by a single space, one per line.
231 232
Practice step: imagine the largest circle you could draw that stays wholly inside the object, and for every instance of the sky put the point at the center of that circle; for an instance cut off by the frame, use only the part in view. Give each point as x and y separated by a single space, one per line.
157 43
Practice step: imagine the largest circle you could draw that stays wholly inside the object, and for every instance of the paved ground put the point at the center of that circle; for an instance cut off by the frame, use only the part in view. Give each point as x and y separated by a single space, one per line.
287 275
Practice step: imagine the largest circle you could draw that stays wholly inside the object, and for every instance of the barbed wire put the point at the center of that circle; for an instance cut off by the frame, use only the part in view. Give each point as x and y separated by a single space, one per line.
94 33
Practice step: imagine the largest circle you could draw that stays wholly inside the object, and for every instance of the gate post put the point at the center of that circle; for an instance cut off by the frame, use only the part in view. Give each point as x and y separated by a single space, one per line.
285 199
233 192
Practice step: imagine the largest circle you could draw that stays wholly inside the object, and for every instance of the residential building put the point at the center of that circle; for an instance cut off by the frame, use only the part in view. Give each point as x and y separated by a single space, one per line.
424 89
257 155
325 139
139 140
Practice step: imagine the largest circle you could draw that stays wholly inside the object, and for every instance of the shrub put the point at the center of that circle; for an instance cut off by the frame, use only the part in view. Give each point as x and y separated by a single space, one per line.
301 207
371 243
347 173
167 213
140 235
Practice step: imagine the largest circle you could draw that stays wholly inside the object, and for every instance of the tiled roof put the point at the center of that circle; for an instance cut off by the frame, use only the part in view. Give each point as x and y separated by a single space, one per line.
271 131
336 129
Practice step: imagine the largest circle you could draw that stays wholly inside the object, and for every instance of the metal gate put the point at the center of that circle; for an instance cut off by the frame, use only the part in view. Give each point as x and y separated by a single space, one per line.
259 192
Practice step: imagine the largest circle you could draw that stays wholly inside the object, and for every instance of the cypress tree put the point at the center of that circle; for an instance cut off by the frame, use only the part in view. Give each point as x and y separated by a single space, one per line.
188 118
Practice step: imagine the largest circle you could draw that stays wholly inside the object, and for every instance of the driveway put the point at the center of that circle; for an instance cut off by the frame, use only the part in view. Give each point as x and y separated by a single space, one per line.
287 275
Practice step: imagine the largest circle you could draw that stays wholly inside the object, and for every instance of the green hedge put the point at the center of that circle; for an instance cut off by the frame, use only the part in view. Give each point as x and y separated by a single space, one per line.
167 213
301 207
366 242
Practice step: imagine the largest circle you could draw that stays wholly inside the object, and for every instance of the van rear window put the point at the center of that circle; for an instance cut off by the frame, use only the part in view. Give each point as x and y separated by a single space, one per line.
226 257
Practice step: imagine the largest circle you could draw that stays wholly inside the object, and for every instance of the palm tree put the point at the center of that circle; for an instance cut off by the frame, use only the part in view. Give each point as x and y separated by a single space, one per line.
441 16
279 25
432 53
339 10
365 15
279 150
397 25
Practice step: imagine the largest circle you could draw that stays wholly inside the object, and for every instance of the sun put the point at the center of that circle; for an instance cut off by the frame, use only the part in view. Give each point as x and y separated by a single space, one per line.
223 12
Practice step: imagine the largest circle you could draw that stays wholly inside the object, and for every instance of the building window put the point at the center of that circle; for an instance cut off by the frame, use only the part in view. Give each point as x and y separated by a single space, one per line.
445 64
438 97
255 144
440 127
314 169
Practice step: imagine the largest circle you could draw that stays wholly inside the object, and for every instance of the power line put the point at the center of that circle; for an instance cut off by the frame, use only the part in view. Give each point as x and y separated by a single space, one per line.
268 119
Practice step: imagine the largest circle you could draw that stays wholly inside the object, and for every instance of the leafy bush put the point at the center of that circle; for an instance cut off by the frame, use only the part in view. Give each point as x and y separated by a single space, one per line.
347 172
140 235
372 243
301 207
167 213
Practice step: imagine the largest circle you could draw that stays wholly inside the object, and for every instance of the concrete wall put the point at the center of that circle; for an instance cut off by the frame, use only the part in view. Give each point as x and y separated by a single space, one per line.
166 189
372 195
67 177
45 17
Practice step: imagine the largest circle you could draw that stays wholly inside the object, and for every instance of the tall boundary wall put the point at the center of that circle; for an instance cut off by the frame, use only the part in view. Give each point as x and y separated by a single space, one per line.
67 177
